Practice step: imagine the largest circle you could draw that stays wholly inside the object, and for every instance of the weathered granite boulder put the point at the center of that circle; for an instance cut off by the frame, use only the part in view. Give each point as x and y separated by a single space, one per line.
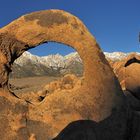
99 98
128 73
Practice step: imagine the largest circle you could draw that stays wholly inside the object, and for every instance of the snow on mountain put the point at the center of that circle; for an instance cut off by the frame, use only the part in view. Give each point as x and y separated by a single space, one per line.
73 57
53 60
58 60
54 65
28 57
32 65
116 55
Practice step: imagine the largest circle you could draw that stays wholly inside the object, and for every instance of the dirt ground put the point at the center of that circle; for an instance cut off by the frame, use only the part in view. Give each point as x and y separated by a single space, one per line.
23 85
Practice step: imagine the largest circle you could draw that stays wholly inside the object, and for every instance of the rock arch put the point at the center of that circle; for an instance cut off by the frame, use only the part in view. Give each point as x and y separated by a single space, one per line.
100 93
55 25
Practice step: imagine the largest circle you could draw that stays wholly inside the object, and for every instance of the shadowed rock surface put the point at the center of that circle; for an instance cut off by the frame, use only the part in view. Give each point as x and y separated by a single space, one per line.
79 130
99 98
90 130
128 73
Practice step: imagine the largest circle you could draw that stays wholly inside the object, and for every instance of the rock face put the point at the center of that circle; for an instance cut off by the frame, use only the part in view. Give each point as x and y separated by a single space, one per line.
128 72
65 84
99 98
13 118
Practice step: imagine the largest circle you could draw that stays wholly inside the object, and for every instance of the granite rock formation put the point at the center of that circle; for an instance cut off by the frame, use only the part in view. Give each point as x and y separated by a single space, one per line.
128 72
99 98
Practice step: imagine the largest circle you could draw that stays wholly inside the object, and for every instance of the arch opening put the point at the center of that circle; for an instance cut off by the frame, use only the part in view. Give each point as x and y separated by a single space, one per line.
45 69
31 30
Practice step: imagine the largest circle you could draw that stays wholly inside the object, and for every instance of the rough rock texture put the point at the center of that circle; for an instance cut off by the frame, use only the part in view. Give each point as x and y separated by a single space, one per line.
66 83
13 118
132 74
99 98
128 73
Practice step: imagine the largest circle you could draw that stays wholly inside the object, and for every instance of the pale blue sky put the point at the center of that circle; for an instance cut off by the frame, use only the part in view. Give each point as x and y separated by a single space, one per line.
114 23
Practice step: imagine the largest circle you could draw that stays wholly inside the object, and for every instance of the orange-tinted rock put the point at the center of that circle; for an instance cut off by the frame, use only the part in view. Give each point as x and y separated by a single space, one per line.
13 117
99 80
68 82
99 98
128 72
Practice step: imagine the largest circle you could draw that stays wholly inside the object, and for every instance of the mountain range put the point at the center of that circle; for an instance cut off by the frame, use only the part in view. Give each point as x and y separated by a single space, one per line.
29 65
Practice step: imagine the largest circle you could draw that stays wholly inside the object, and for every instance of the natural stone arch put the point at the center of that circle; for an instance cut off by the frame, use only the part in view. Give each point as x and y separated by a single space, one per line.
100 83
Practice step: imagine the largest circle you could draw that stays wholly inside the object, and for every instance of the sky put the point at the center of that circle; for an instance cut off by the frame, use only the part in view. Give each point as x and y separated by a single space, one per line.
114 23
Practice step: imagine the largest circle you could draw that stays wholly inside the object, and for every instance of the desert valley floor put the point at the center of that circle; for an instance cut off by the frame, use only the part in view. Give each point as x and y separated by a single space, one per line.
28 84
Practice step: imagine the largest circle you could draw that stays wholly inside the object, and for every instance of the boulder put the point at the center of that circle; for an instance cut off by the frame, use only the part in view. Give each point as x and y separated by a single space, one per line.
99 98
128 73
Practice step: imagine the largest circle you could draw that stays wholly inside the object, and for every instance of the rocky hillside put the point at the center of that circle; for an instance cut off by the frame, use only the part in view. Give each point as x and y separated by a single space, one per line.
52 65
29 65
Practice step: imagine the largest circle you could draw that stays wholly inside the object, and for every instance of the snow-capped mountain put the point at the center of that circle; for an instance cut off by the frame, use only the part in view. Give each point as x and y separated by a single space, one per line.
54 65
26 57
116 55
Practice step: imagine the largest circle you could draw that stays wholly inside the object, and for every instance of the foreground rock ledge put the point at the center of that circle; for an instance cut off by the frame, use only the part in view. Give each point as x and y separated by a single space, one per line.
99 98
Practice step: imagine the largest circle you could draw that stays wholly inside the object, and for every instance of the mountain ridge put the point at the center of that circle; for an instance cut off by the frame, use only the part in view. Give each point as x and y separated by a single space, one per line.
54 65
